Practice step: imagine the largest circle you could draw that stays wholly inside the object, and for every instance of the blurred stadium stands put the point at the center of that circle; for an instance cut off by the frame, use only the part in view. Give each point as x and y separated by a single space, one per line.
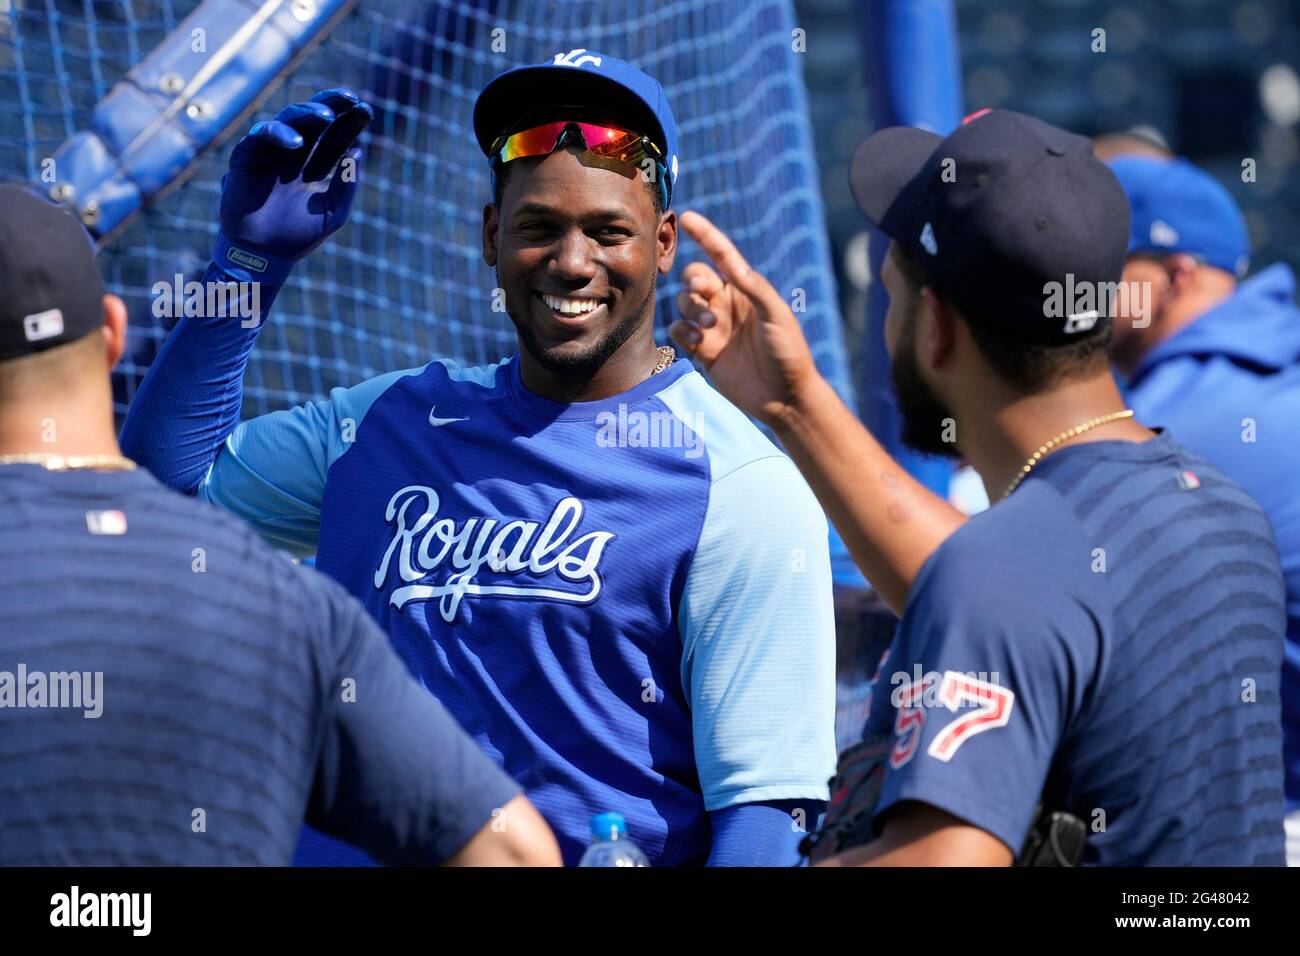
1217 78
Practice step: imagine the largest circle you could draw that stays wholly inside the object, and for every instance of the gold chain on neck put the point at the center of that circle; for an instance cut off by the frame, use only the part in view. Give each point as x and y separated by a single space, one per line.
69 462
667 355
1066 435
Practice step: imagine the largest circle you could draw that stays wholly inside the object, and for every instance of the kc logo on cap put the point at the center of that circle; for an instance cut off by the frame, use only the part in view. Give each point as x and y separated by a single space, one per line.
576 58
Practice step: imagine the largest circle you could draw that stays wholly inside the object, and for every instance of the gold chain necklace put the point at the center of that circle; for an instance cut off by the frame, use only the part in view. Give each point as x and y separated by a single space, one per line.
68 462
667 356
1066 435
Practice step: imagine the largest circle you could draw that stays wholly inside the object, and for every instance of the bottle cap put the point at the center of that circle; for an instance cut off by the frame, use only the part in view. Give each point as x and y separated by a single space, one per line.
607 826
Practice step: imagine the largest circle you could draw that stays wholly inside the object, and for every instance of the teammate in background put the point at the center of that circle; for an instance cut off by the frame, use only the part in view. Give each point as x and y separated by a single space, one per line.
1217 362
1049 644
609 576
1138 141
173 691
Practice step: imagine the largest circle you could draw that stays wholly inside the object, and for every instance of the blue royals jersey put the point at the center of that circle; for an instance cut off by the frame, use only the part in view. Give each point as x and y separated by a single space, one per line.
627 602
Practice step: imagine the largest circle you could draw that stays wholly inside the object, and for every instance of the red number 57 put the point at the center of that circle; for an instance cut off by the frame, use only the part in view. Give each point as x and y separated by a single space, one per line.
993 710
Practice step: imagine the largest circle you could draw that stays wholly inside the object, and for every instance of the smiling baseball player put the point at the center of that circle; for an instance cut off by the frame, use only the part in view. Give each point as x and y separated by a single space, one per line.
605 572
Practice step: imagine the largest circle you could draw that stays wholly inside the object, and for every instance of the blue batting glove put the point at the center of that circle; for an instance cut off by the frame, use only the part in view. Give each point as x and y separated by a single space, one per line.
290 186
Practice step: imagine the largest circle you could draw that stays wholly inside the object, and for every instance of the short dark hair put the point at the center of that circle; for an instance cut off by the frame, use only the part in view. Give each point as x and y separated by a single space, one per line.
51 370
1135 142
1026 367
499 171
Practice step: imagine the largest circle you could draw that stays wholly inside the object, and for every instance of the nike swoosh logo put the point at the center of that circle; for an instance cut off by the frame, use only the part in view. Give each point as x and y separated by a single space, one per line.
435 421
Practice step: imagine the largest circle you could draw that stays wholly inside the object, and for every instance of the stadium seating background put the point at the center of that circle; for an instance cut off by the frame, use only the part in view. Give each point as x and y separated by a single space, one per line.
1192 69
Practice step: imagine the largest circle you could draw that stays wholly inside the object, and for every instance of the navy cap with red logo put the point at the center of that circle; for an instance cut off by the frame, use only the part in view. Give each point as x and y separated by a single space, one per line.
996 213
50 290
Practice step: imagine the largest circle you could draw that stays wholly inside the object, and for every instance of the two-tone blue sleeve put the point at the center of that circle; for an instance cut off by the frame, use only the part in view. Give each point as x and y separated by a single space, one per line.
271 471
758 634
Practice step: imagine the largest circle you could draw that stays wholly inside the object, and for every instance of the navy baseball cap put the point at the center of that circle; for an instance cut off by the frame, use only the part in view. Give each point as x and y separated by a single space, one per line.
579 78
996 212
1179 208
50 290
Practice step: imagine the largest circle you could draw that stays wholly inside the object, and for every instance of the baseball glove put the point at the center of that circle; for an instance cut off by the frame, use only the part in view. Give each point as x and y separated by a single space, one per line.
854 791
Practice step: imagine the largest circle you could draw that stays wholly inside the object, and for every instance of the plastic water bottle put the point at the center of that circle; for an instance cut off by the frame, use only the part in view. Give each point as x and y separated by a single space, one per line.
610 845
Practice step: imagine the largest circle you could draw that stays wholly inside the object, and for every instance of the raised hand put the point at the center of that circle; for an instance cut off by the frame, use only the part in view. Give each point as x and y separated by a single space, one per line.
291 184
740 329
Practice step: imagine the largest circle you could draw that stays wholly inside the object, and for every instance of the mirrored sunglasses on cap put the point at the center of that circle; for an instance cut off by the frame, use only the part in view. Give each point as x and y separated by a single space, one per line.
611 142
616 146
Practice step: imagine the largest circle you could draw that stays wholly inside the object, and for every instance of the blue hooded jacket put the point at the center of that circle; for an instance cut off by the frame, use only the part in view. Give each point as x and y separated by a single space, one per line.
1227 386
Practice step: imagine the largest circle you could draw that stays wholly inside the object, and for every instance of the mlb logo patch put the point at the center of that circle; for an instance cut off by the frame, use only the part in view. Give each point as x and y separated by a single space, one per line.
1081 321
106 522
43 325
1187 480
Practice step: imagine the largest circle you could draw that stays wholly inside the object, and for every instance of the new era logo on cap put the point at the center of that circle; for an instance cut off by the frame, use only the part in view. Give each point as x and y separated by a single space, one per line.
43 325
928 242
1163 234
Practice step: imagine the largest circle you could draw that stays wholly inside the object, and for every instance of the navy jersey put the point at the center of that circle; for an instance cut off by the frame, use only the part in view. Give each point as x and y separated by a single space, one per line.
1107 641
1228 385
626 602
175 692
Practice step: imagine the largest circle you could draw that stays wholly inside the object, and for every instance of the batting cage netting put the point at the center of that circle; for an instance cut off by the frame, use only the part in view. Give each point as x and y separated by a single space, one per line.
405 282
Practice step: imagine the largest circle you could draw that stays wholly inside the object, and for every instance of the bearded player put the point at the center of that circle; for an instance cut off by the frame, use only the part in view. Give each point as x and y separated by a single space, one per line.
1105 641
613 581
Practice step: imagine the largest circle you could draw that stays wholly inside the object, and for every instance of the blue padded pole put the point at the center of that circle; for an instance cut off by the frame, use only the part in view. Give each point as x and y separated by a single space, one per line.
203 79
914 79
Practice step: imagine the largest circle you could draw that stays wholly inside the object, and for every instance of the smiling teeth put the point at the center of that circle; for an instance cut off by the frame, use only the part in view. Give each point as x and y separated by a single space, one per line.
570 306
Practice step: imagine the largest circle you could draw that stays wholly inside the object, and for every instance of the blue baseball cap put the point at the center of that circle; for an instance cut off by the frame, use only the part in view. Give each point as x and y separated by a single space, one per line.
579 78
996 213
1180 208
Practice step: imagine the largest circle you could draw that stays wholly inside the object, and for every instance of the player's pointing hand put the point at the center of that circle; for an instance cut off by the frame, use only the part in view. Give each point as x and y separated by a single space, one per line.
740 329
291 185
